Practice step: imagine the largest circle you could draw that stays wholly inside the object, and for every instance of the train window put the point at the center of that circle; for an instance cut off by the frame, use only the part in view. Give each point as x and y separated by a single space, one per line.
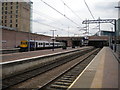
32 43
23 42
47 43
41 43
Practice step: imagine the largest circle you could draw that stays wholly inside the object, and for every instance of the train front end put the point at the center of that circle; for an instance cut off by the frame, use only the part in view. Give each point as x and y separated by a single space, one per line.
24 46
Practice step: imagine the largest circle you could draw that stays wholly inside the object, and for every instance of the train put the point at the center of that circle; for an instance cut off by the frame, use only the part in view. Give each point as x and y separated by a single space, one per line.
26 45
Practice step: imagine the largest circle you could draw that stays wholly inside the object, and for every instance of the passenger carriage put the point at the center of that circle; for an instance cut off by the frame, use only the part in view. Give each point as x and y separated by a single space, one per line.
36 44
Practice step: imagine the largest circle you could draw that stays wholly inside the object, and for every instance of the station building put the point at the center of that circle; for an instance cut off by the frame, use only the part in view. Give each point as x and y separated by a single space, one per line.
15 24
17 15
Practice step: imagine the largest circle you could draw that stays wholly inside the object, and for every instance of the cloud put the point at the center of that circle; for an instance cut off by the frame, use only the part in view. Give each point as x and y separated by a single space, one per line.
100 8
106 9
105 6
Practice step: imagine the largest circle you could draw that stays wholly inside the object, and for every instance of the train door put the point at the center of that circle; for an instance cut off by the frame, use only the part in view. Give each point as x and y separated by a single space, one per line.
43 44
32 45
36 44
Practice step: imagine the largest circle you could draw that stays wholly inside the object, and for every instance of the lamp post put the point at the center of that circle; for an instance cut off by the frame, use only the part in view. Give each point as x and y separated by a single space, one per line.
53 39
29 41
115 36
68 31
30 30
116 27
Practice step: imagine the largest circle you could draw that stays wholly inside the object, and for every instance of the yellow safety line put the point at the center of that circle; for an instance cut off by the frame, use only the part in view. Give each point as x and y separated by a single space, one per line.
80 74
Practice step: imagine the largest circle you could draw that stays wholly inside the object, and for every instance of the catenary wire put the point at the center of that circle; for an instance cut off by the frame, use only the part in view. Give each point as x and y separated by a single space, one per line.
60 12
89 9
71 9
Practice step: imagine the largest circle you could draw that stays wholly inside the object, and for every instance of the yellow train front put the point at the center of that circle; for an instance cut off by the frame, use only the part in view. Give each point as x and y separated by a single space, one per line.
25 44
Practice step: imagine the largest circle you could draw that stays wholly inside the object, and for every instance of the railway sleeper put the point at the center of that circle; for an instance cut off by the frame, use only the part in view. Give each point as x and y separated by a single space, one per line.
62 83
67 81
67 76
72 72
58 87
71 79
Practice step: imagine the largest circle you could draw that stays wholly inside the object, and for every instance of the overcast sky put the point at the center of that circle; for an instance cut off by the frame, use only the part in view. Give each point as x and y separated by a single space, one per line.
46 19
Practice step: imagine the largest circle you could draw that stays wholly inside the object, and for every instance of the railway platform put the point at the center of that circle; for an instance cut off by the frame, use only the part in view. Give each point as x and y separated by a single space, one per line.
102 72
30 54
10 50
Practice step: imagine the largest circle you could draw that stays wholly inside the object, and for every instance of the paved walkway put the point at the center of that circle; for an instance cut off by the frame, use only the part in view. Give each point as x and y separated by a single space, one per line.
21 55
102 72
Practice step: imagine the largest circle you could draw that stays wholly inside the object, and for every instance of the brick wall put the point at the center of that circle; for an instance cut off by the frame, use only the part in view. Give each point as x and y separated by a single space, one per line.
11 38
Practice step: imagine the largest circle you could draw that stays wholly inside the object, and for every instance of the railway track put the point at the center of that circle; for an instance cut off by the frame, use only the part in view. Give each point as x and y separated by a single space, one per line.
8 51
65 79
11 81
